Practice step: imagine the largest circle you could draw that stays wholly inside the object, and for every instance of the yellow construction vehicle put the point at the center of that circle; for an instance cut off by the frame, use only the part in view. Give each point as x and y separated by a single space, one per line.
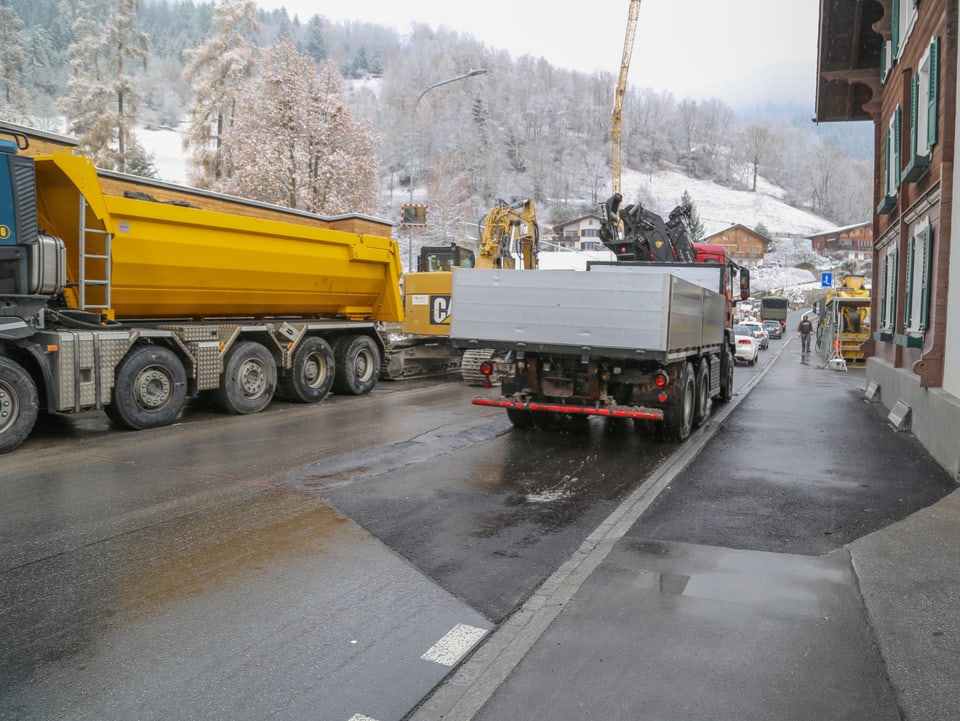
615 118
844 324
509 238
131 306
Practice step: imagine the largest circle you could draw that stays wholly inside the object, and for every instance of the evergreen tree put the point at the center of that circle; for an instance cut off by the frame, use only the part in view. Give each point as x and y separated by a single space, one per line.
101 99
216 70
12 60
294 141
692 218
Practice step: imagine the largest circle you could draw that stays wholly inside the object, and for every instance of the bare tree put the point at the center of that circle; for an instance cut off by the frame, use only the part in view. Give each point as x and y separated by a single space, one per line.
215 71
758 145
294 141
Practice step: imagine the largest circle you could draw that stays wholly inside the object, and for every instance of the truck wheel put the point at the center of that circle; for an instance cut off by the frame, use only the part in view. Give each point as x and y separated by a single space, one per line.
357 360
520 418
311 374
249 379
545 420
701 407
726 375
149 390
678 416
19 404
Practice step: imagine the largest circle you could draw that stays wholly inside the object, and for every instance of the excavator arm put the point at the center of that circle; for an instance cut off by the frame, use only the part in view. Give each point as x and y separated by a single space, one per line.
616 117
510 234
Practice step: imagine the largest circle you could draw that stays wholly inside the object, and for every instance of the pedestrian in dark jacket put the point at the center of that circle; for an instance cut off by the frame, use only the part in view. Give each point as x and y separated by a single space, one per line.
805 328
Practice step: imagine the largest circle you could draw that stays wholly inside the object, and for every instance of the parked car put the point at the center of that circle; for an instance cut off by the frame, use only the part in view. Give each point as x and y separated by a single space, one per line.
773 328
759 332
747 344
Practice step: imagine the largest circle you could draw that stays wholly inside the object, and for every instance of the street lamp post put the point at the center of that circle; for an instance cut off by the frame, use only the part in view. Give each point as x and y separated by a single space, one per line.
413 125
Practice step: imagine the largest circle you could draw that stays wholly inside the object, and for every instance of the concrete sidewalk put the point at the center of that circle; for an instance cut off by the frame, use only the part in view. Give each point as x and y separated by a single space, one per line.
796 586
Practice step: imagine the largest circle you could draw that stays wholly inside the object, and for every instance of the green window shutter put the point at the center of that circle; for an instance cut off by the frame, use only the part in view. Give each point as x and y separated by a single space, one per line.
884 287
926 277
908 297
886 163
897 113
914 114
895 28
933 97
893 279
883 63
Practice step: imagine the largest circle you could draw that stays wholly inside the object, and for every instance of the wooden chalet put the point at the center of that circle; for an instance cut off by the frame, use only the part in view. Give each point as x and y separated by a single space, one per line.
853 241
742 243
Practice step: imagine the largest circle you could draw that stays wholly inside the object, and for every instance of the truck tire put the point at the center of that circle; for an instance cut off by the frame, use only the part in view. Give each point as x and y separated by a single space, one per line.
520 418
311 374
678 416
249 379
19 404
726 375
357 360
701 408
150 389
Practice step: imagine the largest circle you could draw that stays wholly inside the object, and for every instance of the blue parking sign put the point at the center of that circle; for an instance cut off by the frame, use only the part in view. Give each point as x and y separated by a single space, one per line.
826 280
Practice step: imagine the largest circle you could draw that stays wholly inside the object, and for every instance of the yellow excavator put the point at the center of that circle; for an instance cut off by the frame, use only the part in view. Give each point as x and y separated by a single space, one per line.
509 238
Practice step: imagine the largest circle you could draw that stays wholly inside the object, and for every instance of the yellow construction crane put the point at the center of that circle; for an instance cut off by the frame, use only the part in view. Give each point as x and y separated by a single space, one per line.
615 119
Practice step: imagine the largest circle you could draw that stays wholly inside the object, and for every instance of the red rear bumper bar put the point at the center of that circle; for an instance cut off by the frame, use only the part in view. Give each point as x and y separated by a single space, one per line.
631 412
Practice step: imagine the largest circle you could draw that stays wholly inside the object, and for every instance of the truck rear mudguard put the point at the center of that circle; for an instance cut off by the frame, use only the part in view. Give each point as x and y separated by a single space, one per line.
624 412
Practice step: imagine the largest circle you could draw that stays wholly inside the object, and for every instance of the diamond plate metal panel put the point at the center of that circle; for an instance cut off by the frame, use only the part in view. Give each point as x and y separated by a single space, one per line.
209 365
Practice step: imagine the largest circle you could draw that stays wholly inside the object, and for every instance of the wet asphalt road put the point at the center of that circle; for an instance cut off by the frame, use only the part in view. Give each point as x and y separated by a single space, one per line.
327 562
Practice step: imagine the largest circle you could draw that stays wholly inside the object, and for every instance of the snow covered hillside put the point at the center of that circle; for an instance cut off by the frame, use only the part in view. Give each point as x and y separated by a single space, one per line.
719 207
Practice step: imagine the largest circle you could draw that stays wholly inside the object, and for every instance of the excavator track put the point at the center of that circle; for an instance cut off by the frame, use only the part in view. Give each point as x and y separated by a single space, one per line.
470 366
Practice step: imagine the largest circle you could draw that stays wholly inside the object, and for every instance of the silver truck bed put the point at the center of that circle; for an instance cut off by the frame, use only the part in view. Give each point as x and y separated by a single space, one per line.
641 315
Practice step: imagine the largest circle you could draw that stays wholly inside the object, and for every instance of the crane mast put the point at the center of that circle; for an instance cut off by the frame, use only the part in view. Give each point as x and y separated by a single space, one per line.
615 119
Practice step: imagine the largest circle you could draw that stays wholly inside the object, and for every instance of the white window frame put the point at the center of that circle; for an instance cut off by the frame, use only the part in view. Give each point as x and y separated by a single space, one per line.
893 155
888 288
918 279
922 131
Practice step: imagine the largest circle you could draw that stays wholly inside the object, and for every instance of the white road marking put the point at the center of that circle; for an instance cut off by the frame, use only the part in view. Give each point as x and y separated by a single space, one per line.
360 717
451 648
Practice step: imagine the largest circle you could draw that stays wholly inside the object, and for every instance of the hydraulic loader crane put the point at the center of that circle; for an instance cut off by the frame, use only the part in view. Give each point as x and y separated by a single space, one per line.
615 119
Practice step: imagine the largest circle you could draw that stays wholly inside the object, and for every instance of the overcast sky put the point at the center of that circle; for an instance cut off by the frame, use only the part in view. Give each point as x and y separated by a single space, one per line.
739 51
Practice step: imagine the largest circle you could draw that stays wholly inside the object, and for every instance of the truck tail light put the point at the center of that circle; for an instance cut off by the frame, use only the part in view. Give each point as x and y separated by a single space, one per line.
662 397
660 380
486 368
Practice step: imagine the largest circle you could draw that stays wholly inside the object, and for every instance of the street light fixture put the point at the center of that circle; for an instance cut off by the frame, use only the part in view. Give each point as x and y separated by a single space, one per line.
413 124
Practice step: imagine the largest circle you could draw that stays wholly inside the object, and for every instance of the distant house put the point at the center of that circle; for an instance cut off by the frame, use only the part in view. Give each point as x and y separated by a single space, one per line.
853 241
742 243
895 63
581 233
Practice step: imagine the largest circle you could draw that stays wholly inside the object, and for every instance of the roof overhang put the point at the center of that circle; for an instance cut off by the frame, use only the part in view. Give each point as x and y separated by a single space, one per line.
850 41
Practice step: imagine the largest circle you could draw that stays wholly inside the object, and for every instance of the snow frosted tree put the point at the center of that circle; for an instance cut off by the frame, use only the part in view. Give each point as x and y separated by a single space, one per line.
101 99
294 141
215 71
12 59
691 221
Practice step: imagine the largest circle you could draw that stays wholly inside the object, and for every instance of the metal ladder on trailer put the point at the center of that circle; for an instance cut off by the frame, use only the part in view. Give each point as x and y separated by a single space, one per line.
93 255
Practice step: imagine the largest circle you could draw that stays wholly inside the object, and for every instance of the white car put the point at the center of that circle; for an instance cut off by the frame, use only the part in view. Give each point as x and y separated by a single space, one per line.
747 344
759 332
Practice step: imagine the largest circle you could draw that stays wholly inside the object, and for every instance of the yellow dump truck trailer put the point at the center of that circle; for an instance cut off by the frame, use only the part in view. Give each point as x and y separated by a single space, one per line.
133 305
